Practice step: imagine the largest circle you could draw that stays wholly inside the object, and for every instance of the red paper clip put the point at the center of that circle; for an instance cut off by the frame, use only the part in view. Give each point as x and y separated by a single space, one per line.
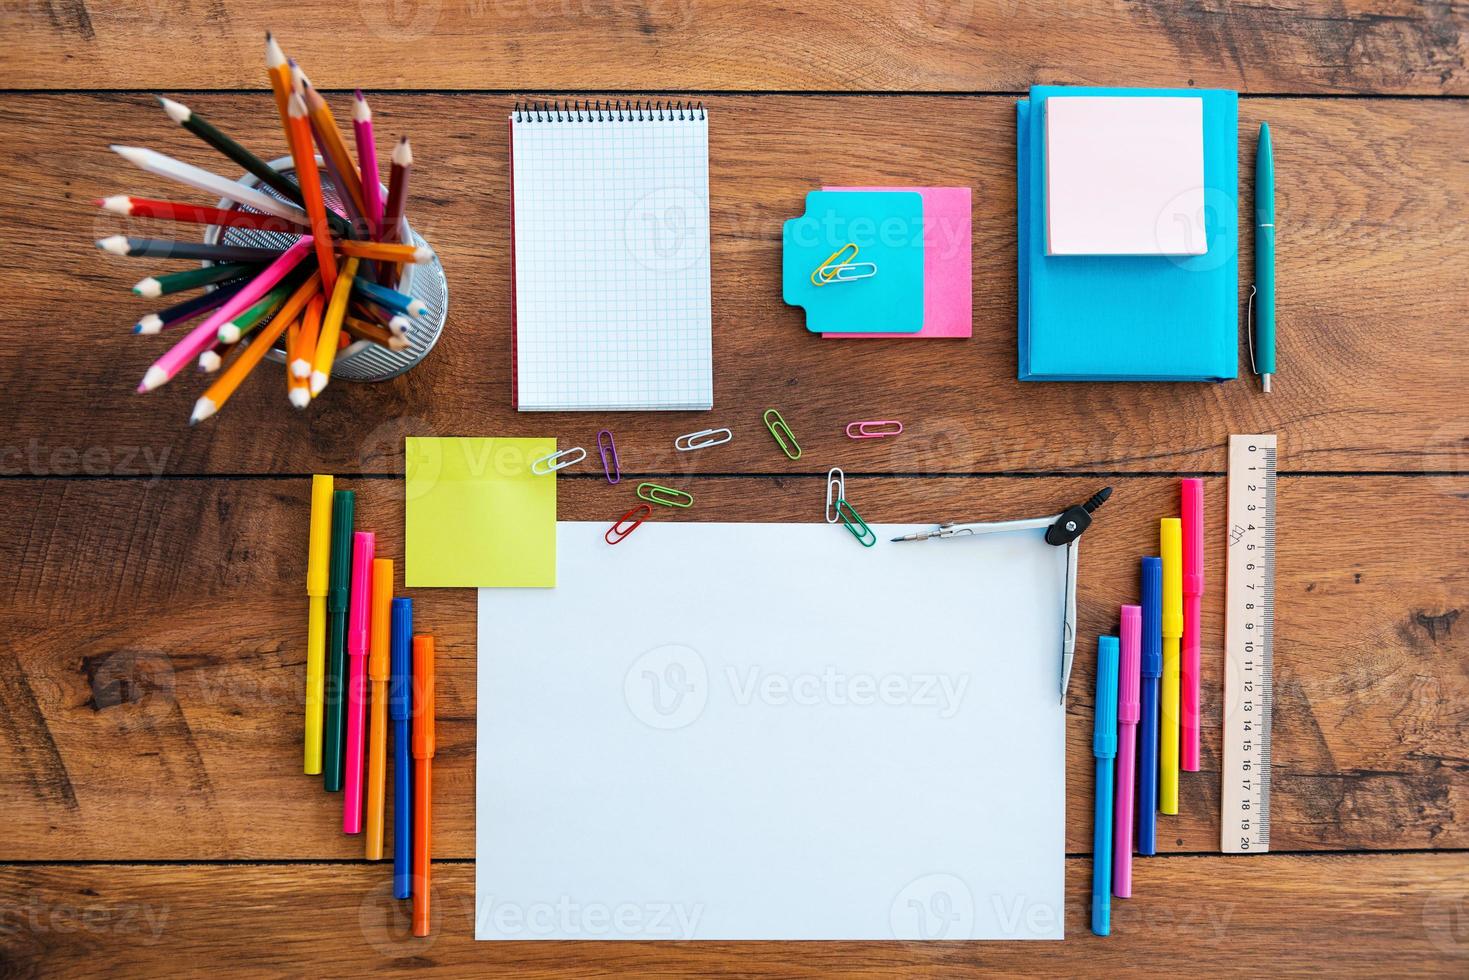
608 452
642 512
874 430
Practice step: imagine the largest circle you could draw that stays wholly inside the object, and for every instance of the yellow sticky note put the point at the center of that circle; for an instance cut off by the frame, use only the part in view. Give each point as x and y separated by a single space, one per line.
476 516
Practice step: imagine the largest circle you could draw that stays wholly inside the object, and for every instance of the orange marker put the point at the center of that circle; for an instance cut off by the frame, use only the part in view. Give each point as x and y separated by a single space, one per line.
423 754
377 673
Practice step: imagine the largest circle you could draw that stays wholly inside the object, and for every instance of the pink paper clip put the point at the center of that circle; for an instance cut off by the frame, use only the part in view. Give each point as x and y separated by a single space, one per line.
608 451
622 528
874 430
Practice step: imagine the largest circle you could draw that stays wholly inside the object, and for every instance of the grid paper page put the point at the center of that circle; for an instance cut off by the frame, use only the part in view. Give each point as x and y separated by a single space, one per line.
612 264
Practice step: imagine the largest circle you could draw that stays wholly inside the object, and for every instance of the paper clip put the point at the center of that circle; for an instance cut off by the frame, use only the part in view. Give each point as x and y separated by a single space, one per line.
776 428
702 439
874 430
826 270
836 489
608 451
637 515
555 461
848 272
667 496
865 536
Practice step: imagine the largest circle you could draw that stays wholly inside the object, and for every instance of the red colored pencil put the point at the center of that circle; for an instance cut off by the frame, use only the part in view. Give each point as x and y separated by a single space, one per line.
142 207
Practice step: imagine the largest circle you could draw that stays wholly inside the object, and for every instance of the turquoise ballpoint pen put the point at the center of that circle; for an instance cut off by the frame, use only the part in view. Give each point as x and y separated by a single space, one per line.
1262 297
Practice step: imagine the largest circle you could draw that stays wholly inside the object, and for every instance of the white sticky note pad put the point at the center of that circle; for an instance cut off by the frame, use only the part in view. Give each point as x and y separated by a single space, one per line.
1125 176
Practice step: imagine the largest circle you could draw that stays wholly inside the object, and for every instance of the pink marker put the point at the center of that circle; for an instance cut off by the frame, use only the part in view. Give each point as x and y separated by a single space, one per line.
359 628
1129 685
1193 600
202 337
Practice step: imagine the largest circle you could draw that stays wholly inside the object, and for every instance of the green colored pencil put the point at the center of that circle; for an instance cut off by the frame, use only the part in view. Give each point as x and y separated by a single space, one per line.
208 275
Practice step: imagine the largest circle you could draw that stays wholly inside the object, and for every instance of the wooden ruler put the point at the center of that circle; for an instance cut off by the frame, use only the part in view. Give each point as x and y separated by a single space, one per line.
1249 634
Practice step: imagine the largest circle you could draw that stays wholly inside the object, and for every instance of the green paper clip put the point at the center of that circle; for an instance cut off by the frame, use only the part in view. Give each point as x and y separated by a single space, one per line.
777 427
854 520
667 496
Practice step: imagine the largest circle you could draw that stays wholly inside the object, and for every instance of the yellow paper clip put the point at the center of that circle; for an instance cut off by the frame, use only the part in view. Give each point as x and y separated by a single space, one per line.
828 270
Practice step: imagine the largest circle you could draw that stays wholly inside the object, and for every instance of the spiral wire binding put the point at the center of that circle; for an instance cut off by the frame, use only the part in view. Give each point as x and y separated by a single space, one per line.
609 110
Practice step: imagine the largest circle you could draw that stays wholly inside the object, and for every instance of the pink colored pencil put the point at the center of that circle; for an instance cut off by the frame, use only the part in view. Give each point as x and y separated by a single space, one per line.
202 337
359 629
372 188
1129 711
1192 511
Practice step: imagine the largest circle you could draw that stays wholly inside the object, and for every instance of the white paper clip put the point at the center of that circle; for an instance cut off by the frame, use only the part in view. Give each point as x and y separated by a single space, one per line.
702 439
849 272
836 490
557 461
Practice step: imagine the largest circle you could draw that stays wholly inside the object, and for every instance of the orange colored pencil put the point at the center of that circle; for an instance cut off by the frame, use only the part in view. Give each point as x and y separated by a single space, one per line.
280 80
375 332
304 155
297 389
219 392
386 252
423 781
306 347
334 147
377 733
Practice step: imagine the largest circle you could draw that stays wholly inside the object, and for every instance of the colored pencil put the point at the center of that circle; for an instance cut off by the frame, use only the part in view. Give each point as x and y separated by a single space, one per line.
378 661
204 335
331 328
213 359
386 252
423 788
209 133
306 350
333 147
334 177
391 298
218 393
378 334
372 188
310 178
293 383
177 282
398 173
231 331
143 207
372 313
152 323
163 248
279 71
186 173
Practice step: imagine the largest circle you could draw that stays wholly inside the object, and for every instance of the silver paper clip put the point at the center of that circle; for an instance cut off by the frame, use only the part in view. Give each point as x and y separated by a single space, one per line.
547 465
848 272
702 439
836 490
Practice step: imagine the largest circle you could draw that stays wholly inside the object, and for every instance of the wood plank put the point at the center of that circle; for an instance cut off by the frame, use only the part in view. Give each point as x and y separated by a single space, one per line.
1268 914
1370 283
1395 46
152 675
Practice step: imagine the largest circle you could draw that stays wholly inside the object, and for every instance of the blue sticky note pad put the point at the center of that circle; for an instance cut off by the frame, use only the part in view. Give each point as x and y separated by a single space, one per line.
887 228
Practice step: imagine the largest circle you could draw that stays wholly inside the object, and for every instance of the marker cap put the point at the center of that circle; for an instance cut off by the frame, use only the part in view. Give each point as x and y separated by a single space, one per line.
364 544
1170 535
423 697
1129 671
1152 592
320 541
1191 492
1104 736
400 682
340 580
382 604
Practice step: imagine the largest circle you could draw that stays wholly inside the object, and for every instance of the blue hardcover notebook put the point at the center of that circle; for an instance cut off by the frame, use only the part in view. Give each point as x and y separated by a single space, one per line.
1130 317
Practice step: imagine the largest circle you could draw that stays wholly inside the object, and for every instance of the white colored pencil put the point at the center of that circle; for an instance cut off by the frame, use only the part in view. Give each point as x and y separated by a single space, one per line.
186 173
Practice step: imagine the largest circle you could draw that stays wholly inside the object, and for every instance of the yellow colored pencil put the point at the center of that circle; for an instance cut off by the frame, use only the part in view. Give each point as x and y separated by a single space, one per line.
219 392
331 327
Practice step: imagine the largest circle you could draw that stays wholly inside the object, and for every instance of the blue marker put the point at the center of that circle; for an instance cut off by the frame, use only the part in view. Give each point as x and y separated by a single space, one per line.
400 711
1152 670
1104 747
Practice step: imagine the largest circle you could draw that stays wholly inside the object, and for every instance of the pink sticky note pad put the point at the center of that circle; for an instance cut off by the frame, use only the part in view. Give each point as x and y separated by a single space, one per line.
948 299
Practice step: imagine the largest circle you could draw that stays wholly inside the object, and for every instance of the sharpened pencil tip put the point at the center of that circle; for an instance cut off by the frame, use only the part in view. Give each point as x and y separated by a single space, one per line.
361 111
149 288
117 204
177 111
399 324
154 378
209 362
116 244
300 397
301 368
229 333
150 324
403 153
318 383
203 408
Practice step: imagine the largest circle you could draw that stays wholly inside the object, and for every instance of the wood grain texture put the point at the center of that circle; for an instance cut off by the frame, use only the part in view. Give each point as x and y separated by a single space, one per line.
1404 914
940 45
1371 303
153 669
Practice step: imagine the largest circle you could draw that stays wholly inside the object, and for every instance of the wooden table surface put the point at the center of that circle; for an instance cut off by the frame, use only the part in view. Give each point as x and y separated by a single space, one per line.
153 619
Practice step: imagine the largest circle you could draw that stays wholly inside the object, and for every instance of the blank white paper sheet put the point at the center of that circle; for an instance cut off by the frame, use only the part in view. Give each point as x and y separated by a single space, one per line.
1125 175
764 731
611 219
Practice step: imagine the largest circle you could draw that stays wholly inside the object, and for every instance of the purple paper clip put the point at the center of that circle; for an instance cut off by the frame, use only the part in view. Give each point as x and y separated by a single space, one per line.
874 430
613 469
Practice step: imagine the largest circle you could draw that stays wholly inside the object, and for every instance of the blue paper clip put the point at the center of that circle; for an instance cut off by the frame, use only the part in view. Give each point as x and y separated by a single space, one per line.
853 520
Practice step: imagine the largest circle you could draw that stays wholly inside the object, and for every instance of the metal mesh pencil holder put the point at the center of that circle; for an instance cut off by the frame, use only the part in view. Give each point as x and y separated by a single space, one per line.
361 360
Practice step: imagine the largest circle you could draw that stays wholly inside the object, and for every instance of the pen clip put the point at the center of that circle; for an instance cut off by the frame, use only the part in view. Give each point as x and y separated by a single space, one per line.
1250 328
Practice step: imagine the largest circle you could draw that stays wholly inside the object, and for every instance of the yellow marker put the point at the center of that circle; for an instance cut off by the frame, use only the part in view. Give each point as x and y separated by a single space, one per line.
316 584
1171 534
377 672
331 327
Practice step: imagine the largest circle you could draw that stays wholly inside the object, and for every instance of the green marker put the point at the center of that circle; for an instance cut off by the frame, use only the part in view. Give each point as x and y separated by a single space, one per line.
333 760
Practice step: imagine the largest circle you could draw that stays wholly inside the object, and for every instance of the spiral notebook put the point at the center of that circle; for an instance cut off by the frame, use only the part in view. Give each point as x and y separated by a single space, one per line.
610 217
